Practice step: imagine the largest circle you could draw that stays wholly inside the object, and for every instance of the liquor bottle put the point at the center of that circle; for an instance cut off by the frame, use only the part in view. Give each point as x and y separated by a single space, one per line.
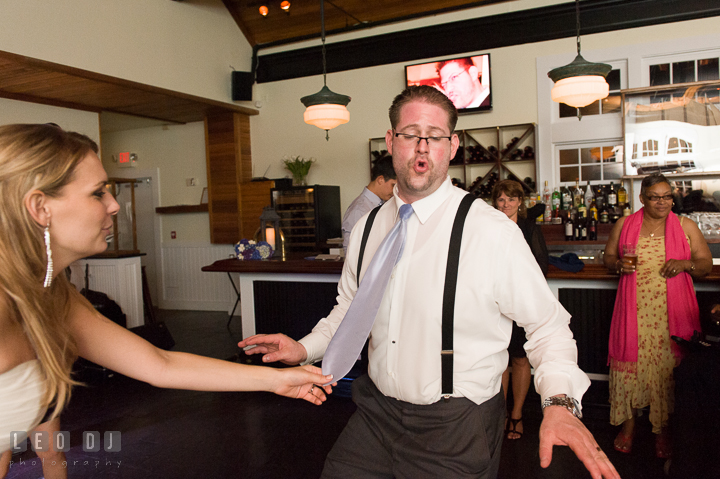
583 229
593 210
578 196
589 195
582 208
622 196
548 216
569 229
592 229
604 216
565 198
546 194
612 196
555 200
539 218
556 219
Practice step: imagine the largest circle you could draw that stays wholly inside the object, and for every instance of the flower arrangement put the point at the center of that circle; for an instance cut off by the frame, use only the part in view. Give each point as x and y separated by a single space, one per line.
249 249
299 167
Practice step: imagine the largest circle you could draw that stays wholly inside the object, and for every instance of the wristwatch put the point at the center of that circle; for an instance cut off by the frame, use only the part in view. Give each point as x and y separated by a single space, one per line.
571 404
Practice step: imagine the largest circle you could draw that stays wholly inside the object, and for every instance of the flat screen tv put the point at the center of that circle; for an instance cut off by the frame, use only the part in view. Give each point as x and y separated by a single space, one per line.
465 80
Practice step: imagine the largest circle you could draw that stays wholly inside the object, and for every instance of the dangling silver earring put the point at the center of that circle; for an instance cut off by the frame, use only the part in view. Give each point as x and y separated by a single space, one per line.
49 272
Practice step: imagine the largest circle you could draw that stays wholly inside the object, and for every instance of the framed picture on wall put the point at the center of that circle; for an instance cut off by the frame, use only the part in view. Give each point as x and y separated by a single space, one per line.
672 129
465 80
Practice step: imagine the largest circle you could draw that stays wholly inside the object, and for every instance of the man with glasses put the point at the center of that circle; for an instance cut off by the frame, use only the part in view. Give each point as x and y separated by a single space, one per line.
460 81
406 425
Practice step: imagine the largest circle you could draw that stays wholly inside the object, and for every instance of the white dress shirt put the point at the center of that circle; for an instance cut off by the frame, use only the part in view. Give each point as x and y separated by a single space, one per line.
499 281
360 206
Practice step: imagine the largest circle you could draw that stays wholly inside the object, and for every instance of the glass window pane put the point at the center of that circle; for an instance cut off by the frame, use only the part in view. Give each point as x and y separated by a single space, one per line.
683 72
569 157
611 104
660 74
590 155
592 173
613 79
569 173
592 109
613 171
708 69
612 154
567 111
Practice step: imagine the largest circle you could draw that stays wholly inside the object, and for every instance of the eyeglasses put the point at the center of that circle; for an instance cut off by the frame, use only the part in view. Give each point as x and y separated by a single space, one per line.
408 141
655 199
452 79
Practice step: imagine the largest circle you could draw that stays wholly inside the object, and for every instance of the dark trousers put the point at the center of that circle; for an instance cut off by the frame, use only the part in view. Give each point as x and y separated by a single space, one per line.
387 438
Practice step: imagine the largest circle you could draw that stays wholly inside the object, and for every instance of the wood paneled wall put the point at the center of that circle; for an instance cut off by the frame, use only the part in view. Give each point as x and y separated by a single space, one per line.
229 165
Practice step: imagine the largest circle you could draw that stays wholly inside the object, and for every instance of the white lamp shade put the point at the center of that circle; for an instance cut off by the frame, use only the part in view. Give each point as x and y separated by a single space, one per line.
580 91
326 116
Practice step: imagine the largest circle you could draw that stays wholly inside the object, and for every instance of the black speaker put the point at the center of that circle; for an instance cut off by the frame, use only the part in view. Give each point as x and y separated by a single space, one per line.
242 83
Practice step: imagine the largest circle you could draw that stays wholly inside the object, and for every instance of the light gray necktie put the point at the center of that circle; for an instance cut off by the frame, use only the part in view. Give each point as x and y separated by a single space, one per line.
346 344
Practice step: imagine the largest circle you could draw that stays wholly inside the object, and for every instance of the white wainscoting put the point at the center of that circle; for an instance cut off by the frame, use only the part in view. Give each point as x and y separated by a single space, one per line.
119 278
185 286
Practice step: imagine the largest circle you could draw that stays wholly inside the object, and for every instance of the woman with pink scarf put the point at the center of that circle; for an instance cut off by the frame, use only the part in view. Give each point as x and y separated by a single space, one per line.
655 300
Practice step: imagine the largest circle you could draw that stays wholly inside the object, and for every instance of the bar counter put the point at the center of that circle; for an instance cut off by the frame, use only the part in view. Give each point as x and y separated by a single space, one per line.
291 296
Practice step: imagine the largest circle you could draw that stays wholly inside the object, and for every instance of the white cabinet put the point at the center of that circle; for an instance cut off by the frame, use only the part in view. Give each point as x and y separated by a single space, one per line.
119 278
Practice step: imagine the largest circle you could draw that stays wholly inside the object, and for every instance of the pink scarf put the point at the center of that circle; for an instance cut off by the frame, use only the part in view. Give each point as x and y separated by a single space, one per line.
683 312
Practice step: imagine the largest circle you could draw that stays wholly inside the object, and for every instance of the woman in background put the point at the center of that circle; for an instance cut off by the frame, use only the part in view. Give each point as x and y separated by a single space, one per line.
56 209
655 300
508 197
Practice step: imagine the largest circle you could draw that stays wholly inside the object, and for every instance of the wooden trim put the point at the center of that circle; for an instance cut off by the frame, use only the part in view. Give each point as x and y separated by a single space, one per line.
179 209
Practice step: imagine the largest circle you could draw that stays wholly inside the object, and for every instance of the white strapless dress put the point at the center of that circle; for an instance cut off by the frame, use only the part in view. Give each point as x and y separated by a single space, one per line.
22 390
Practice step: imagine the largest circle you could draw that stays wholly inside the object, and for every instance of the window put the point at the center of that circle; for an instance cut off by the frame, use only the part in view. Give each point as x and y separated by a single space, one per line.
601 162
611 104
685 71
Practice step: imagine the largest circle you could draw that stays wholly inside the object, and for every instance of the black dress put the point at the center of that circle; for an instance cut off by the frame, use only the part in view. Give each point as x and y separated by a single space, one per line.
536 241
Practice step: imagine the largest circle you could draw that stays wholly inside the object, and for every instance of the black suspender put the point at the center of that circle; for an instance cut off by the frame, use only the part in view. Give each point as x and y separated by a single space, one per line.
451 272
366 234
448 307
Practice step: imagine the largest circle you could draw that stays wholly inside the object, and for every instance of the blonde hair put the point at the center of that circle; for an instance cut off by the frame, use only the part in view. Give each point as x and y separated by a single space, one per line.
37 157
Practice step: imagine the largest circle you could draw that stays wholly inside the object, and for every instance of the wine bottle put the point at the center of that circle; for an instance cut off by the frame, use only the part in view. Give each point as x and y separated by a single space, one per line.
569 229
583 229
592 229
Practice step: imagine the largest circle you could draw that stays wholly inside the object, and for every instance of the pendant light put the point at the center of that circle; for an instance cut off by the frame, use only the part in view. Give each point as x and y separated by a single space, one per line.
325 109
580 82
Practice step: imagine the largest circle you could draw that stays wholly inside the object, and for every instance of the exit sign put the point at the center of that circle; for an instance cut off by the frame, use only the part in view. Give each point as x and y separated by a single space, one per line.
126 159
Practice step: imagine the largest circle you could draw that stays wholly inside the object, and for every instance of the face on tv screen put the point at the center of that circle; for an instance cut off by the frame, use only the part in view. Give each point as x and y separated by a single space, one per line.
466 80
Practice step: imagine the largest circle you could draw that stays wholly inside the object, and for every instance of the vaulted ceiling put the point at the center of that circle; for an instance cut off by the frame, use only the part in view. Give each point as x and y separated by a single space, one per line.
302 21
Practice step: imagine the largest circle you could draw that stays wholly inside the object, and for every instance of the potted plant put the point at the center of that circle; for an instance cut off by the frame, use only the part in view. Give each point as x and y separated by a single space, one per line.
299 167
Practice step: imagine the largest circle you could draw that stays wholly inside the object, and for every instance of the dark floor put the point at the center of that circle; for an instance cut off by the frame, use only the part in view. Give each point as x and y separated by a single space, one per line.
186 434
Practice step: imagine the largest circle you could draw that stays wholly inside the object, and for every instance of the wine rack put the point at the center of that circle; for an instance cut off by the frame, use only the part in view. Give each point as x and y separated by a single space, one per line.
486 156
309 216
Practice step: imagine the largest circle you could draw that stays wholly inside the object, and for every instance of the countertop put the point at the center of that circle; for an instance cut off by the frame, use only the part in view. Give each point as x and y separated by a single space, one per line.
305 266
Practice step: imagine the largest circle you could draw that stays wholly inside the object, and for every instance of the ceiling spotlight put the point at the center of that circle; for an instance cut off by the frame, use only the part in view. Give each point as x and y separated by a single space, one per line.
263 10
285 5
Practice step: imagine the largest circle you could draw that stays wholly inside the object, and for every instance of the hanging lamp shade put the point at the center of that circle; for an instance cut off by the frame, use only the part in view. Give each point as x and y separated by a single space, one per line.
580 82
326 109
